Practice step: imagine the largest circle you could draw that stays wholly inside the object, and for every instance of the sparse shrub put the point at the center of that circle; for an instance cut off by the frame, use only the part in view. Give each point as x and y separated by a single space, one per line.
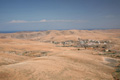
117 70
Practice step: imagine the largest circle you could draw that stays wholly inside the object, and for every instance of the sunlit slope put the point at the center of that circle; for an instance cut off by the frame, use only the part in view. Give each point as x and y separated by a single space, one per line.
55 35
68 65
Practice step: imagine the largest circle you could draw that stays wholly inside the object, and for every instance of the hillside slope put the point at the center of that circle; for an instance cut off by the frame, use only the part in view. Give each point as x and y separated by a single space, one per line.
55 35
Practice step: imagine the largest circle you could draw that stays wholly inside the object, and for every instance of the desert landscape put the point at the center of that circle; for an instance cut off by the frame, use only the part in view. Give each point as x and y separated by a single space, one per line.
59 39
60 55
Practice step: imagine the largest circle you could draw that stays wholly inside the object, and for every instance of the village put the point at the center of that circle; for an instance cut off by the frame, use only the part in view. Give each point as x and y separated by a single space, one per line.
103 47
84 43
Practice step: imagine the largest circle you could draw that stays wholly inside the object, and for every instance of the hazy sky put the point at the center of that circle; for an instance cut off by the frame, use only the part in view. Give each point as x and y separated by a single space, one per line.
59 14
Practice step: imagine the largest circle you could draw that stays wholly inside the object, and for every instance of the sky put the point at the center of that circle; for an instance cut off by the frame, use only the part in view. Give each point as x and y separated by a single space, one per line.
27 15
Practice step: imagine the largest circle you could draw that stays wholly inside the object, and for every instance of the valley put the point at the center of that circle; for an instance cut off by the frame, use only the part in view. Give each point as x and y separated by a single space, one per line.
60 55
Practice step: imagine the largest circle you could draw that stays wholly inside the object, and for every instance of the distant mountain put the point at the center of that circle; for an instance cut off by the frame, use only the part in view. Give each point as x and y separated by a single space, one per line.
62 35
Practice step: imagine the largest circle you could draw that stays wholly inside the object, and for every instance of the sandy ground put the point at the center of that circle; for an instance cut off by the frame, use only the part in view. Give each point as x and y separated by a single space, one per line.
66 65
21 59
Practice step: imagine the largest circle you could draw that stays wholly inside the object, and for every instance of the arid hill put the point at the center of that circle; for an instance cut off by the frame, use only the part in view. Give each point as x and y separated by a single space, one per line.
55 35
32 56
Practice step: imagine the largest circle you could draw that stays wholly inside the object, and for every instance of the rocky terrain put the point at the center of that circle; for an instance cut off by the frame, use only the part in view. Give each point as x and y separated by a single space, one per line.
60 55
